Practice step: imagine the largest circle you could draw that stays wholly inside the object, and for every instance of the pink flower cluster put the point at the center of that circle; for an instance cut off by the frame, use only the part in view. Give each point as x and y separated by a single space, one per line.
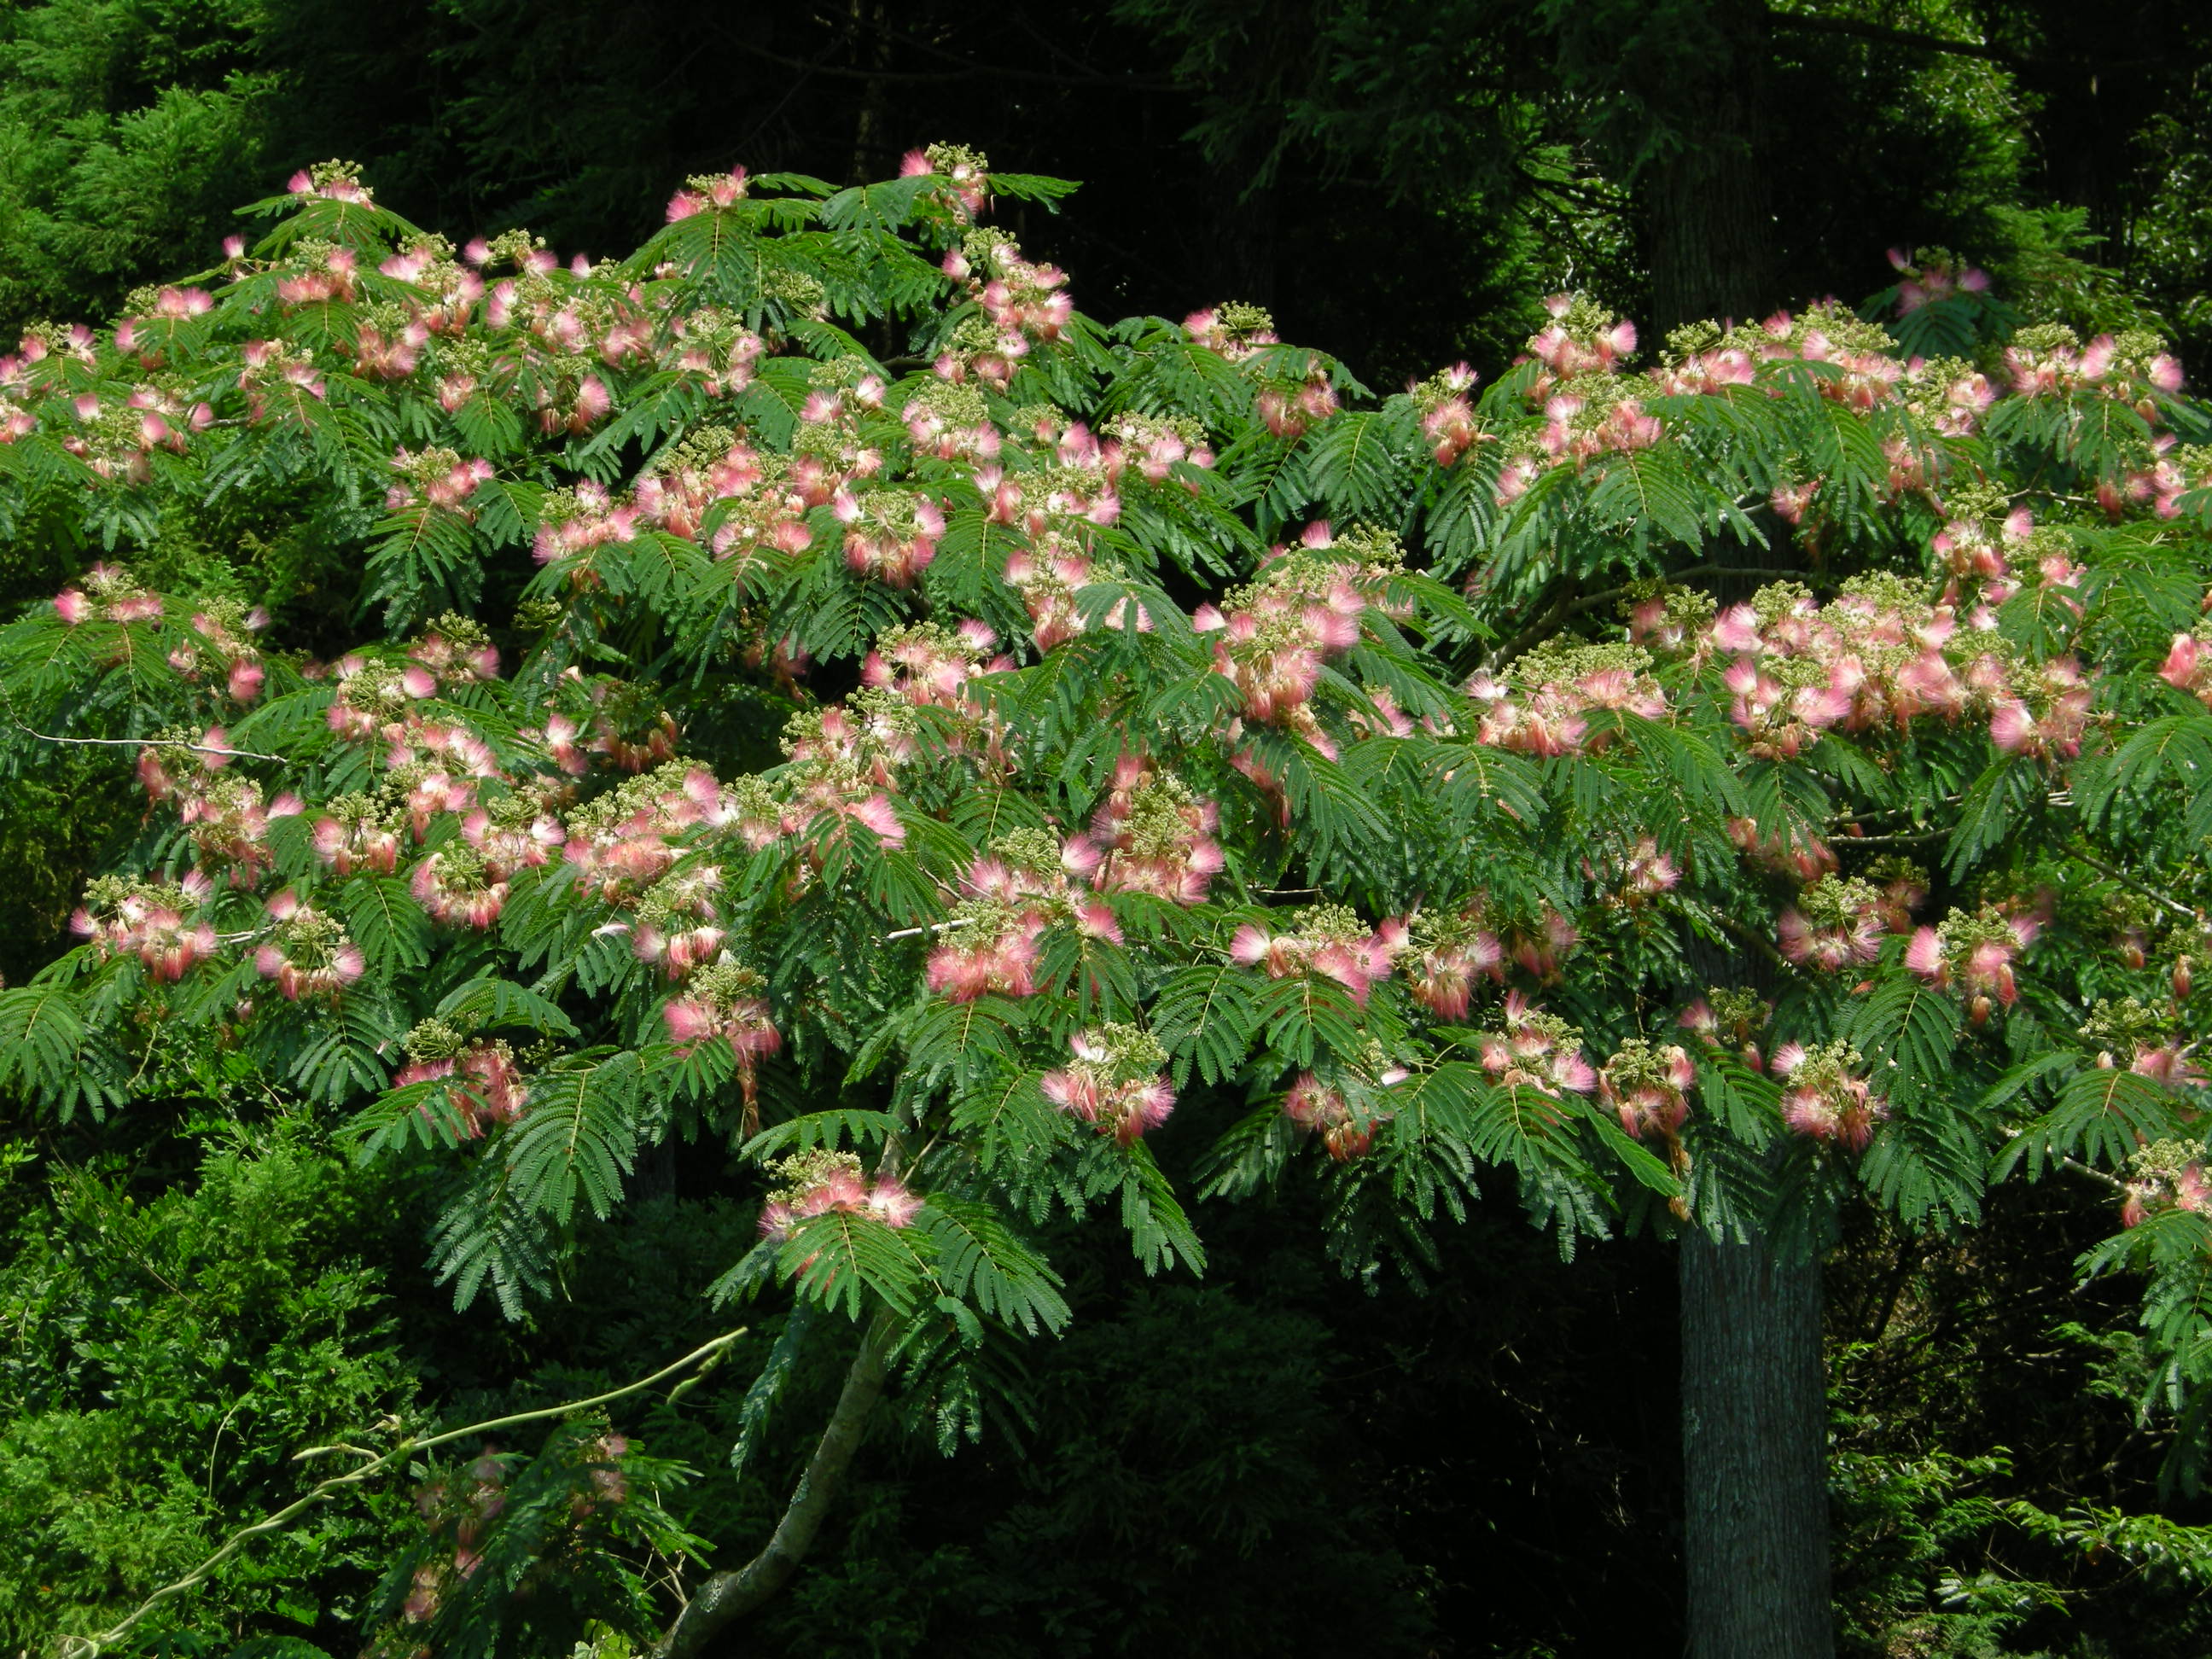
725 1003
1826 1098
1115 1082
1277 634
1835 925
889 534
1151 834
1533 1049
1326 939
1648 1086
484 1087
1930 275
1975 954
1235 331
1345 1117
820 1184
1542 706
307 952
159 923
1447 412
1451 953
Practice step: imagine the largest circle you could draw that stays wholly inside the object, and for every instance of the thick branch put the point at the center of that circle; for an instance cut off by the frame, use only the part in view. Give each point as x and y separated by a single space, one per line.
729 1597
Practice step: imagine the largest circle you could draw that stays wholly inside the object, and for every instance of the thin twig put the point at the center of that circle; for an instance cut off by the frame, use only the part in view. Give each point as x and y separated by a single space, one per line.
934 927
153 743
85 1647
2147 891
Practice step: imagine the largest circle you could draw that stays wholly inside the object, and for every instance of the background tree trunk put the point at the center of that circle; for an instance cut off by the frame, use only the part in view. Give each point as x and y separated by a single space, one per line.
1755 1454
1708 211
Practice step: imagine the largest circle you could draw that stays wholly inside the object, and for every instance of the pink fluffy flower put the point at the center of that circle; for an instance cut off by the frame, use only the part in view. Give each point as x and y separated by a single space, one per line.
1115 1082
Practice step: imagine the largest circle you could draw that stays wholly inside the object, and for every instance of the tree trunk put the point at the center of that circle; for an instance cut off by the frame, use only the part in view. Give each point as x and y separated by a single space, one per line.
1755 1454
726 1597
1708 211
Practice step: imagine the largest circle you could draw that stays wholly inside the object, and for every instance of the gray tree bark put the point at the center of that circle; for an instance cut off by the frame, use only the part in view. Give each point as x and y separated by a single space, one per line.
726 1597
1755 1454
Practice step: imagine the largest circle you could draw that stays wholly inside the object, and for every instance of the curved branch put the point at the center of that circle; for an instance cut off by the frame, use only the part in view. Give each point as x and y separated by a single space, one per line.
727 1597
86 1647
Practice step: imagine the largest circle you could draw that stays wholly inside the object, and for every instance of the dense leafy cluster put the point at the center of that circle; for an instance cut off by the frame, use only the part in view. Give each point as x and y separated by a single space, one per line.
835 698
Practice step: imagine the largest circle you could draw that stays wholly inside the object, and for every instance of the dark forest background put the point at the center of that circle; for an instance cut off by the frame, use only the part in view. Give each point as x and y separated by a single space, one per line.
1279 1460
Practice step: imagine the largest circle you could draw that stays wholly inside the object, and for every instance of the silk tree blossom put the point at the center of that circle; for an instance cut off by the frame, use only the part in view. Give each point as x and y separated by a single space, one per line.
456 888
321 273
1583 338
1290 408
1931 275
1975 953
1326 940
2167 1175
1233 330
726 1003
2188 665
1152 833
1731 1019
484 1087
993 949
1543 703
1533 1049
277 379
1825 1097
1877 656
1542 944
513 830
1903 889
219 646
1791 851
966 172
331 181
453 651
929 665
1836 924
2144 1035
1277 634
2044 711
358 834
107 593
1033 870
822 1183
179 763
705 191
1702 361
1672 622
436 480
1156 444
622 842
889 534
1344 1103
159 922
1021 298
678 925
2049 359
1640 874
307 953
1648 1086
229 821
1450 952
1447 412
1116 1082
950 422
